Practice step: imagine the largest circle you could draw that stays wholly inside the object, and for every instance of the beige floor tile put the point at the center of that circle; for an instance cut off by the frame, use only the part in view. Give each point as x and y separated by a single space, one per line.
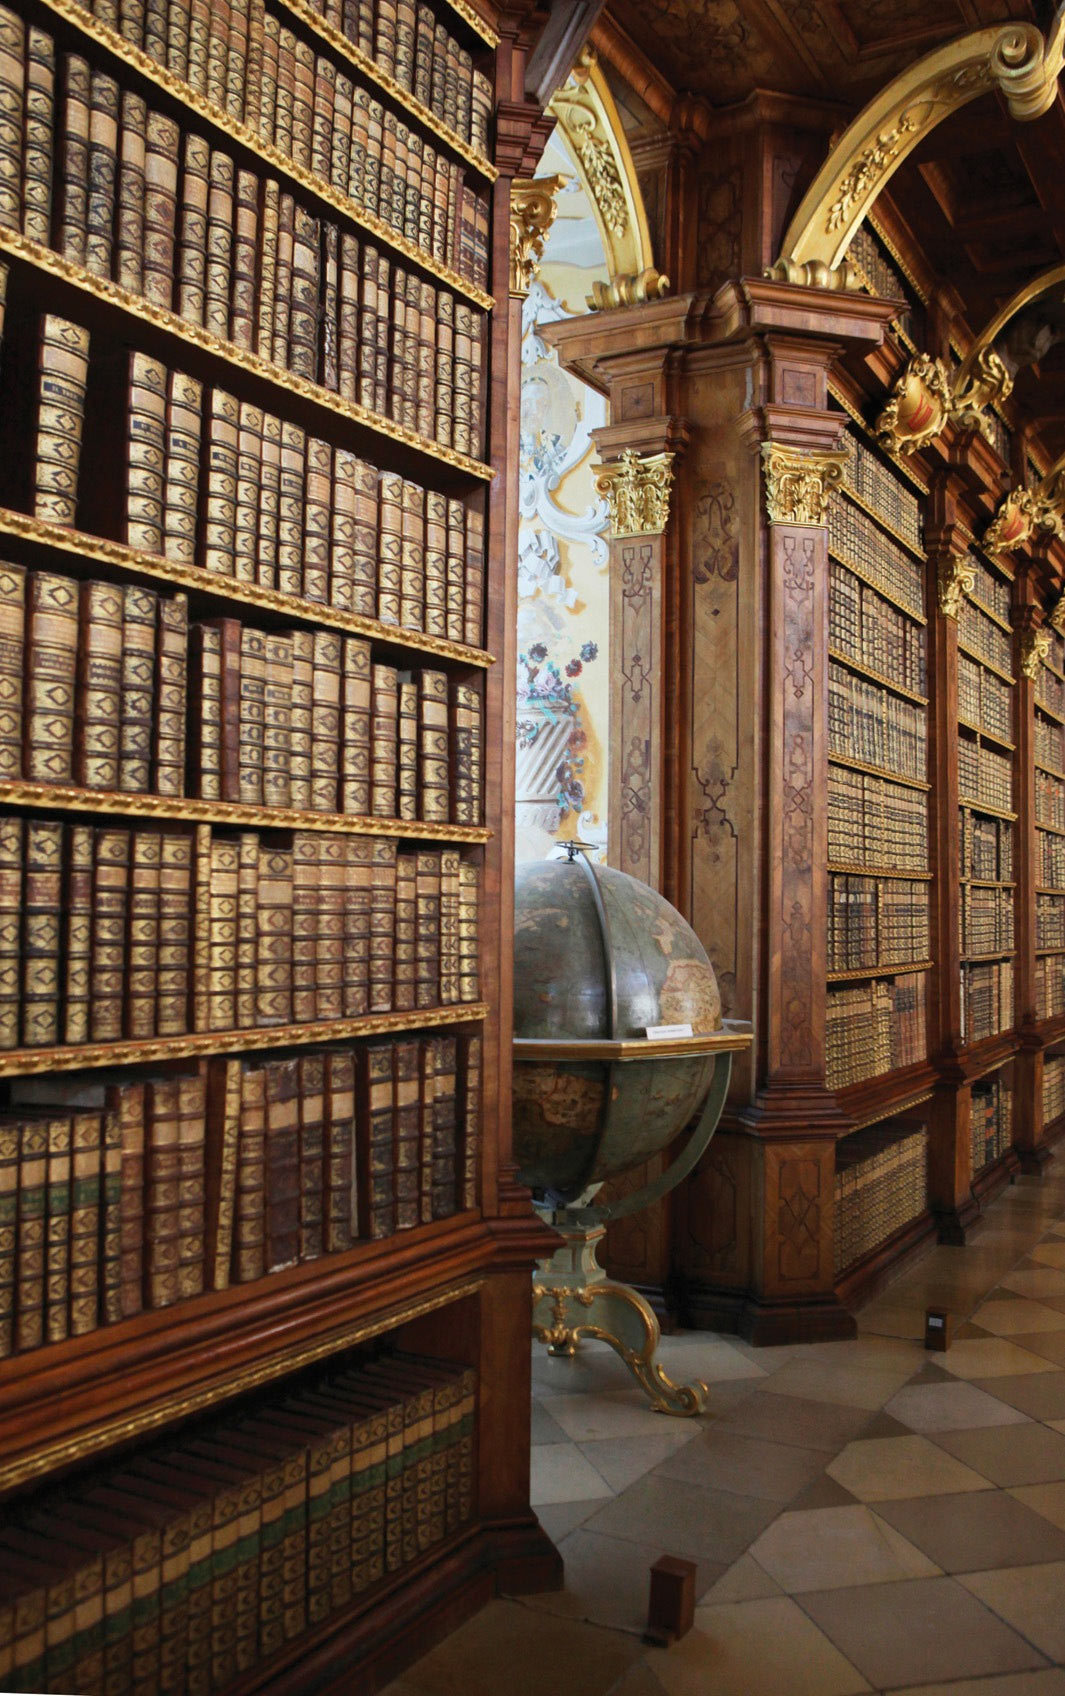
684 1519
1045 1499
843 1385
745 1581
1007 1318
1041 1395
622 1460
727 1460
1056 1424
976 1532
560 1473
638 1681
920 1628
826 1548
1049 1682
1050 1345
594 1369
1015 1454
508 1647
794 1419
892 1321
882 1469
608 1581
1049 1253
990 1357
1036 1282
1030 1598
614 1413
760 1648
955 1406
879 1354
560 1518
696 1354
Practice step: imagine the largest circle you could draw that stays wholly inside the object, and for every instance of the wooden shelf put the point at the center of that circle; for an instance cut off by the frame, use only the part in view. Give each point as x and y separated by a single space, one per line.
880 871
1050 712
387 85
901 970
876 1098
986 735
61 797
874 583
840 658
1052 829
22 1062
120 300
986 807
995 954
1049 770
97 551
233 129
878 771
986 883
989 665
1049 952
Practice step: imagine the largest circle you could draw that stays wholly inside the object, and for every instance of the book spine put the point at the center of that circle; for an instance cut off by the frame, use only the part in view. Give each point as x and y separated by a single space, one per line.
325 744
427 930
290 510
329 969
274 969
436 597
72 159
384 742
192 231
30 1241
474 577
305 873
264 322
433 747
110 897
412 557
171 683
249 1258
12 667
182 481
222 466
302 353
161 157
85 1208
382 924
311 1155
99 686
38 156
252 714
340 1200
51 670
175 932
249 480
469 957
64 369
317 521
130 1108
269 503
102 176
146 425
9 1178
220 1176
225 863
57 1231
301 725
41 933
11 852
406 910
191 1134
357 685
177 40
129 230
277 721
136 689
358 873
111 1214
161 1176
142 957
282 1171
247 929
219 270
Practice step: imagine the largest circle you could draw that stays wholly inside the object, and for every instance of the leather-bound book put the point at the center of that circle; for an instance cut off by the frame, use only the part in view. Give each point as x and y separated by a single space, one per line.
247 928
57 1229
403 967
301 719
329 971
224 1085
356 691
42 896
277 720
269 503
99 686
246 247
223 438
225 863
205 724
274 994
317 521
175 932
249 1229
192 227
161 160
249 483
290 509
64 368
129 228
110 905
182 482
382 923
357 900
340 1199
281 1165
305 873
11 875
142 959
311 1155
171 689
145 472
252 713
102 173
325 744
220 219
38 155
427 929
136 703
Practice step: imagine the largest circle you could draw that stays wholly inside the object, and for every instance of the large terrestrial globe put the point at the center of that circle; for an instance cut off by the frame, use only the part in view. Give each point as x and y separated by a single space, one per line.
600 956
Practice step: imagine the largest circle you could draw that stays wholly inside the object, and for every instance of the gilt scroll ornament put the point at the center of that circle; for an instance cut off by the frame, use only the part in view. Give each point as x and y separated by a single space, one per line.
1035 648
1023 512
638 492
1057 616
532 212
957 578
798 486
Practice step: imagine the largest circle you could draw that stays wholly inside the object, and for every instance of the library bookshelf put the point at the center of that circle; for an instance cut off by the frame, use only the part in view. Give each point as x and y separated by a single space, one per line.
264 1292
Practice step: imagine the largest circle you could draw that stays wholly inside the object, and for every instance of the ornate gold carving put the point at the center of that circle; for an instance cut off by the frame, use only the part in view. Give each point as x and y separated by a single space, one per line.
956 578
798 484
151 1416
285 381
1035 648
84 546
627 1322
532 212
638 492
1057 616
17 1062
250 138
1012 57
592 126
1024 511
919 406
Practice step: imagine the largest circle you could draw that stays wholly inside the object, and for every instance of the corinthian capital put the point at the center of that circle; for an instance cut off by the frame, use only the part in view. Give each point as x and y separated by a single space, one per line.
532 212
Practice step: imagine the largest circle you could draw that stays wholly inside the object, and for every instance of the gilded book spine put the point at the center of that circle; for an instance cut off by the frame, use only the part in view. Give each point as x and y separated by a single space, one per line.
274 995
301 728
64 368
11 854
51 672
175 932
249 1256
12 99
192 231
102 174
317 521
252 714
277 720
12 667
73 158
39 136
41 933
85 1208
222 467
137 689
99 687
325 744
357 685
142 958
77 936
110 902
219 272
247 929
171 683
129 232
9 1176
249 482
30 1248
225 863
220 1177
161 157
57 1231
111 1213
182 482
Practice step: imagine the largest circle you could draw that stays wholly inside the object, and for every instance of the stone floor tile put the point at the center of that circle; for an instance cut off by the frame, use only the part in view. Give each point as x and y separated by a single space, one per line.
889 1320
1038 1282
594 1369
919 1628
824 1492
684 1519
700 1354
745 1581
1049 1682
793 1419
1049 1254
508 1646
988 1357
884 1424
560 1473
842 1385
560 1518
1014 1454
826 1548
1056 1424
1029 1598
1045 1499
931 1373
608 1581
622 1460
971 1533
883 1469
1049 1344
727 1460
1041 1395
638 1681
1006 1318
952 1405
543 1428
881 1354
760 1648
612 1413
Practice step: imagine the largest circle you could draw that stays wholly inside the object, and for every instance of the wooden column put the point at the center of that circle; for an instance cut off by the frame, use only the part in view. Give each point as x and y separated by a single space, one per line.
1030 643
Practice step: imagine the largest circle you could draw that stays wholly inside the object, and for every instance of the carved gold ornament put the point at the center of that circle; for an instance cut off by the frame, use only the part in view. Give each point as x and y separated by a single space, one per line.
1057 616
1035 648
957 578
919 407
532 212
1013 57
1024 511
638 492
798 485
591 124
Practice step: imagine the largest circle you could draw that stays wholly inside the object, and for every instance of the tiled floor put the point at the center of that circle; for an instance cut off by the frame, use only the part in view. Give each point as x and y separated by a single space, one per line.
865 1516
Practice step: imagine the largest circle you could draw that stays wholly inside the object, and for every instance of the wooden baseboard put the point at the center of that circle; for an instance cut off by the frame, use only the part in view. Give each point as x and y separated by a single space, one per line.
815 1319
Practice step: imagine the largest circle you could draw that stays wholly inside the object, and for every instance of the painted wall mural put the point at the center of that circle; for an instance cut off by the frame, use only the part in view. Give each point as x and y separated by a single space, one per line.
563 561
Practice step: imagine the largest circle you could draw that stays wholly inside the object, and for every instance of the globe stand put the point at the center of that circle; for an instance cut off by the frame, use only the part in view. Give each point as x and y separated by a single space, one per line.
572 1295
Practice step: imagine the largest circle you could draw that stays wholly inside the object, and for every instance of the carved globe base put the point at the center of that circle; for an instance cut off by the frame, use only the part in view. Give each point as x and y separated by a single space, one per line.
574 1298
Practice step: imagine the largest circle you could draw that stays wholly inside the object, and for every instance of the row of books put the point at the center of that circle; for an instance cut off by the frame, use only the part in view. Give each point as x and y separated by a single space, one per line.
1049 800
873 632
985 920
1050 859
876 922
992 1121
179 1568
305 719
880 1186
1049 985
869 724
1050 687
857 541
885 278
986 999
1049 739
986 847
991 587
321 119
984 775
1053 1088
215 482
984 699
872 821
874 1028
108 932
983 639
123 1195
881 488
1050 921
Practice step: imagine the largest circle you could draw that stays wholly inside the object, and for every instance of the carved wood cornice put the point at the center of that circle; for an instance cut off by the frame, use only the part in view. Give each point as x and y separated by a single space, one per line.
799 485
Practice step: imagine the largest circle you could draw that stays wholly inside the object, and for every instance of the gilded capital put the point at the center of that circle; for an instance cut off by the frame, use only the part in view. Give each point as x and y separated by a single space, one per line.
798 484
957 578
532 212
1035 648
638 492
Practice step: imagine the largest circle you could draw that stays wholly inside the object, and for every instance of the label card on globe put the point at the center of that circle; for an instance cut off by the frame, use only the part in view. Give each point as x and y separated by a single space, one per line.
667 1033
